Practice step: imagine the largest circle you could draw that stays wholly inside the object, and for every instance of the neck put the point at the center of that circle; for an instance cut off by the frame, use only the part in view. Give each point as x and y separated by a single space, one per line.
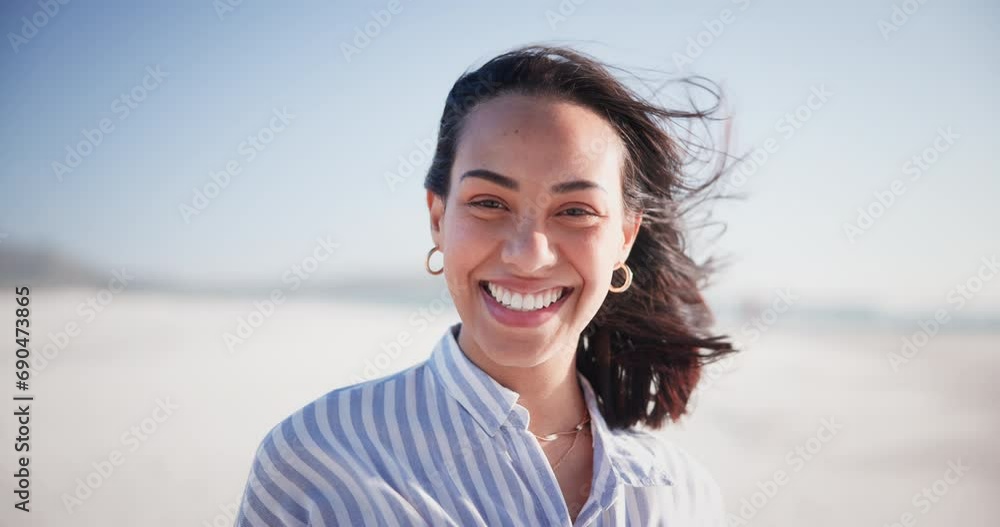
550 391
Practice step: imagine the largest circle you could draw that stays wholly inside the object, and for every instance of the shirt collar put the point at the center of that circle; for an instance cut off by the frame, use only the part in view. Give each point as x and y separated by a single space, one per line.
489 402
629 453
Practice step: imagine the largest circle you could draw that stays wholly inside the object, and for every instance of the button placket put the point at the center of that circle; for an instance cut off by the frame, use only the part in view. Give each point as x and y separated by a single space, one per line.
508 429
515 429
504 447
543 470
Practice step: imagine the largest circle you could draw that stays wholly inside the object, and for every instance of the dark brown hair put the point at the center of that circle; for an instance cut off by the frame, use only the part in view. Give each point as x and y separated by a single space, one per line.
644 350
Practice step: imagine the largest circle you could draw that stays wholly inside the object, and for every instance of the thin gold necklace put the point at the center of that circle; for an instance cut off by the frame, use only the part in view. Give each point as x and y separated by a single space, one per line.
576 435
576 429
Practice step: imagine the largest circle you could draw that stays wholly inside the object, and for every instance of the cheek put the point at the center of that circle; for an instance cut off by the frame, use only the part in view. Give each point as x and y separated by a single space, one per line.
593 255
468 248
590 252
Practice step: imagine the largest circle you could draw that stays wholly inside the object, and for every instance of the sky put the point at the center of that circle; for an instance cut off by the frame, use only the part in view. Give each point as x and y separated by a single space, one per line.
179 89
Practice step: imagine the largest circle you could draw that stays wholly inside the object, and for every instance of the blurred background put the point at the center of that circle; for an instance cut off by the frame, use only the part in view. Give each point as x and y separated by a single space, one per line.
218 208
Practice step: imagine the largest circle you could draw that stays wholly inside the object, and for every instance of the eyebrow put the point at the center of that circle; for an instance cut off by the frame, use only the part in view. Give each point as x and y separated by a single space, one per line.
508 183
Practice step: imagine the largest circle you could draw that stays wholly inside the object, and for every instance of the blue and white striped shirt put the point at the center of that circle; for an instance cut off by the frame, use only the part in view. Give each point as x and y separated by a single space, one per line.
443 443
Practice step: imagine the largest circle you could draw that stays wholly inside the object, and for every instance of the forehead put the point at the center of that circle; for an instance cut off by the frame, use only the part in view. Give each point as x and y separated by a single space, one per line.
540 139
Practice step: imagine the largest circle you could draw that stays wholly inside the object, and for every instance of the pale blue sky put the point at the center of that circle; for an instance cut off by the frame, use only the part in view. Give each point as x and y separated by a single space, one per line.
324 174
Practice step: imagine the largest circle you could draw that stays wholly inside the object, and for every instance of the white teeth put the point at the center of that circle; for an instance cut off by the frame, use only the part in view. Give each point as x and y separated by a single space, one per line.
515 301
524 302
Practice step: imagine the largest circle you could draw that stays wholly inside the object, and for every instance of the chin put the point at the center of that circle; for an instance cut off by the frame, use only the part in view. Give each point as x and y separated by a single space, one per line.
511 355
518 347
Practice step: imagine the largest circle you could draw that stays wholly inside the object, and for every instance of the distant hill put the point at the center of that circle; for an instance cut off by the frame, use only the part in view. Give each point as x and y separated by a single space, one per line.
38 266
21 264
43 266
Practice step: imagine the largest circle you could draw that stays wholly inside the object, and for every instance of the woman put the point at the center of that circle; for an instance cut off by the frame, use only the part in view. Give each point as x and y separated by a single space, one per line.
549 176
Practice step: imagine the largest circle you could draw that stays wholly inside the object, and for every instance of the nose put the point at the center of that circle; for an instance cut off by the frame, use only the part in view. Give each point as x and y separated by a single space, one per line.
528 249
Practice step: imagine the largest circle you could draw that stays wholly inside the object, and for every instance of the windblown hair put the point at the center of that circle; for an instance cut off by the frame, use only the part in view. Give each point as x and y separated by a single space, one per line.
644 350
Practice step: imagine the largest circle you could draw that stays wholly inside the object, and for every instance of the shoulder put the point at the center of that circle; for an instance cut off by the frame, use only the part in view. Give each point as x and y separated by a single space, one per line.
340 416
332 436
693 492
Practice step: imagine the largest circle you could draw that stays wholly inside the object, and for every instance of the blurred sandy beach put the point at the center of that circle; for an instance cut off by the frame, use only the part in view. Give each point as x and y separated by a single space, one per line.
807 426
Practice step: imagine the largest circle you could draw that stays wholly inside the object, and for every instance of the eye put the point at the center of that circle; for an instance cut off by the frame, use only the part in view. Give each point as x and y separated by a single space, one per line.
487 204
579 212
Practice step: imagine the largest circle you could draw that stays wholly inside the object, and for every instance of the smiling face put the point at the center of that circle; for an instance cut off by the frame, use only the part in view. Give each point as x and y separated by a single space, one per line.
533 227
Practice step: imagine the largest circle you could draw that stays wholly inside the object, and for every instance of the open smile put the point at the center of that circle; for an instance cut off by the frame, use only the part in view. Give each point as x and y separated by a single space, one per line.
516 309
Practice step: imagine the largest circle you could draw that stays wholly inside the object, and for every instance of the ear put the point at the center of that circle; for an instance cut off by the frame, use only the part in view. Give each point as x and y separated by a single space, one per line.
435 205
630 230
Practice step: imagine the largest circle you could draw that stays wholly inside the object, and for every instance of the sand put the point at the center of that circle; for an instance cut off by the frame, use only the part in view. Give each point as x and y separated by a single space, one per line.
807 427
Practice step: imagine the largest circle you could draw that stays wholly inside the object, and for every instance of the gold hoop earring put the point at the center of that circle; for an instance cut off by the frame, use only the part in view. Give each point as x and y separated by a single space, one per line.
427 264
628 279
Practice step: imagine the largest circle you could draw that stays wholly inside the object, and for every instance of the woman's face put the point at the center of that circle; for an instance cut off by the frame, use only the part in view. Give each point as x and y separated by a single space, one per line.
533 227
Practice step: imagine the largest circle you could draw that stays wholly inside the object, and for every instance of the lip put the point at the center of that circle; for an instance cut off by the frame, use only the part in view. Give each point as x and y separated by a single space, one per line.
521 319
